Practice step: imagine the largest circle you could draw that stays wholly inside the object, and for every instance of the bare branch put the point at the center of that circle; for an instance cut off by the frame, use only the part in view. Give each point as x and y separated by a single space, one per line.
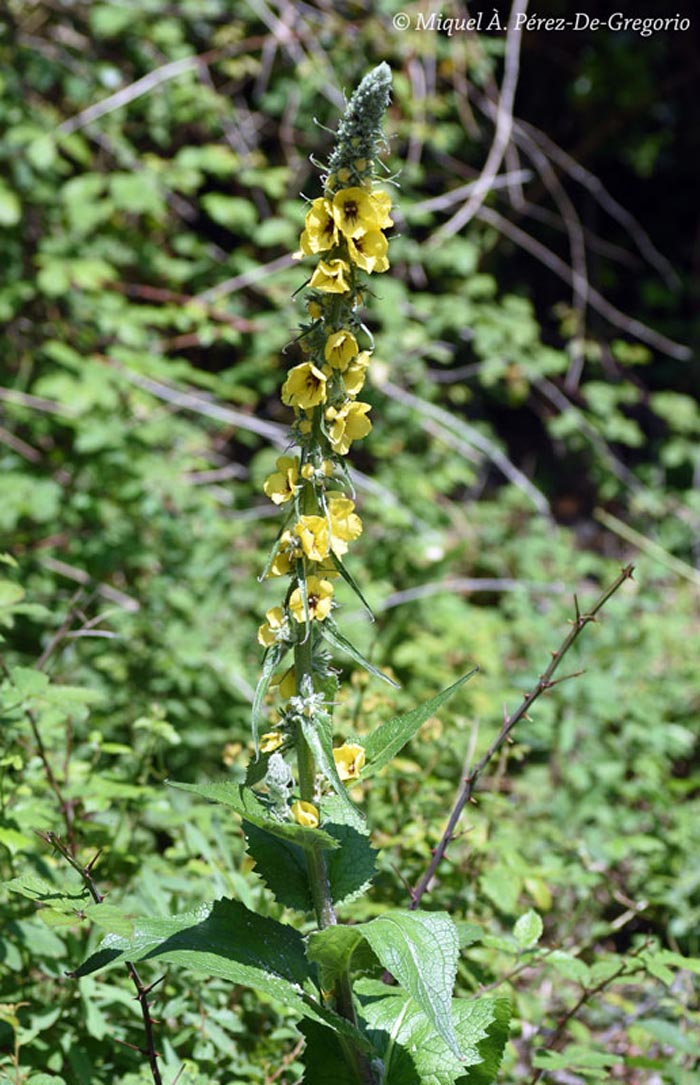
465 438
504 126
618 319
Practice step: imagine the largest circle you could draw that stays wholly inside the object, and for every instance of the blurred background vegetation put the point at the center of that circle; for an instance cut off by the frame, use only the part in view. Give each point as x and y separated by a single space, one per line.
536 425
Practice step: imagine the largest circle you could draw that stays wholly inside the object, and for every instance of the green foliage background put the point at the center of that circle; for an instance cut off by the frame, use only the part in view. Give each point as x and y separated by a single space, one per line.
146 290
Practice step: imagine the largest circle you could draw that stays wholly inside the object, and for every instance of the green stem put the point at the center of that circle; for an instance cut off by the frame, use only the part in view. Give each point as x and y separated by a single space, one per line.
318 871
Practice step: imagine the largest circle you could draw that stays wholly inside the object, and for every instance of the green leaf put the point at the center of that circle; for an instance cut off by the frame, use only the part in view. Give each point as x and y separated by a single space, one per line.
575 1057
331 949
271 661
325 1060
351 866
420 949
492 1047
233 212
245 803
350 579
29 682
412 1050
110 918
572 968
318 733
528 930
335 638
384 743
136 193
10 207
225 939
10 593
67 899
282 866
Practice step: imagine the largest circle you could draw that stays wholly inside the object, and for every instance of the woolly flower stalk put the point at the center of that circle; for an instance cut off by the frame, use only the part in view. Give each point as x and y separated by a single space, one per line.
344 234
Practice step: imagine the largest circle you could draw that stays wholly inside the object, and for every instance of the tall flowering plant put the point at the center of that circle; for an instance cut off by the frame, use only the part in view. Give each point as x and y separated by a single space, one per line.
375 997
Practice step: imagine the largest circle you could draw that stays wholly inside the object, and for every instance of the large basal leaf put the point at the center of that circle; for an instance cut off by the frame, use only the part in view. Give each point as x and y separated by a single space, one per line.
493 1045
245 803
226 939
325 1060
413 1052
392 736
420 950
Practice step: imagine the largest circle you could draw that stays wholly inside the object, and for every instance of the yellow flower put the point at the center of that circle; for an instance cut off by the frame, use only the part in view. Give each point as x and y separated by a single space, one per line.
281 485
287 684
349 759
347 424
341 347
287 551
272 741
369 251
382 206
354 375
280 564
320 231
313 534
346 525
320 596
304 387
314 310
306 814
273 629
329 276
355 212
327 569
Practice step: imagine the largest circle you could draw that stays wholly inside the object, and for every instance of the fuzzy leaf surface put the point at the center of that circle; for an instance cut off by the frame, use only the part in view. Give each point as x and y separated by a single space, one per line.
331 949
281 865
415 1054
225 939
420 949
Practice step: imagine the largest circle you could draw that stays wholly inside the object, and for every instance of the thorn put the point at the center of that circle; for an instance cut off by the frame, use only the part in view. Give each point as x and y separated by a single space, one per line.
90 865
147 990
473 800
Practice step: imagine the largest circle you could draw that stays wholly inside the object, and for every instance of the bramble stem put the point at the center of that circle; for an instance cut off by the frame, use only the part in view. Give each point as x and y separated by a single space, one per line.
142 991
544 682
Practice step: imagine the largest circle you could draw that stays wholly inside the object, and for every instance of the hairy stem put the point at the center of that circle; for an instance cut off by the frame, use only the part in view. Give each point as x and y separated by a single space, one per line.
318 872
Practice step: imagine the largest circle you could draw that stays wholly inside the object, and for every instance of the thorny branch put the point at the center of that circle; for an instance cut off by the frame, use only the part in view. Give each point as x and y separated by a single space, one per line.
545 682
586 995
142 991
